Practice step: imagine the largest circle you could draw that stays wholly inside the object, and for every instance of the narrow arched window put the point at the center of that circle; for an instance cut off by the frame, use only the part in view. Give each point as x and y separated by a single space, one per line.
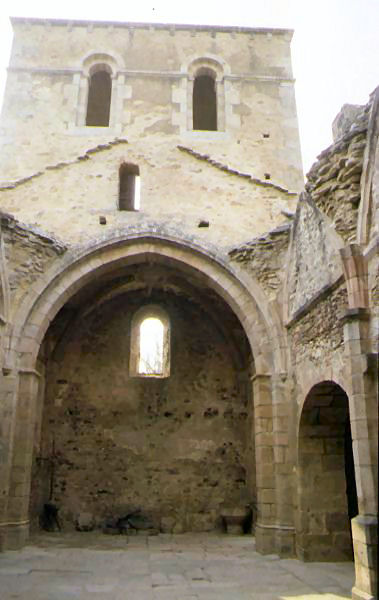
204 102
151 347
99 99
150 343
129 187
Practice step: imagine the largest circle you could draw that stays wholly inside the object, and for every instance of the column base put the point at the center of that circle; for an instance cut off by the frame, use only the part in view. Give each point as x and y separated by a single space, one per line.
265 539
365 542
275 539
285 542
13 536
359 595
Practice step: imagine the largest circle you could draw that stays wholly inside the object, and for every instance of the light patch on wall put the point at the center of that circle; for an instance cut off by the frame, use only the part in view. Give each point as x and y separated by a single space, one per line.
137 193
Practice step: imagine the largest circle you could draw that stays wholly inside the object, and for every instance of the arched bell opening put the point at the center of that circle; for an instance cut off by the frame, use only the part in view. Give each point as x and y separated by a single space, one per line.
99 96
204 101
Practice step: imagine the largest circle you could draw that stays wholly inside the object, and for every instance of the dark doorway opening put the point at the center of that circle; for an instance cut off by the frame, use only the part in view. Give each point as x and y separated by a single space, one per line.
327 487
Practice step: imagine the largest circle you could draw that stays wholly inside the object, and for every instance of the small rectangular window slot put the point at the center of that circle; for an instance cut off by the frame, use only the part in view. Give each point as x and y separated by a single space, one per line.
266 135
129 187
267 176
203 223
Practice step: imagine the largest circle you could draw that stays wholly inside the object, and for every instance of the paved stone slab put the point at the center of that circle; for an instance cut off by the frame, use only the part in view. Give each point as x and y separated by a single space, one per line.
183 567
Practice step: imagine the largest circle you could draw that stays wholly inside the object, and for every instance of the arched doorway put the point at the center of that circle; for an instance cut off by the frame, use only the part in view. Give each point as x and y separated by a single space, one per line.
326 480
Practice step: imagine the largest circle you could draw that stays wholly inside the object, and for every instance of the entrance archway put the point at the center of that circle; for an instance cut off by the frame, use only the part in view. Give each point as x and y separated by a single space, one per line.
326 482
105 261
116 439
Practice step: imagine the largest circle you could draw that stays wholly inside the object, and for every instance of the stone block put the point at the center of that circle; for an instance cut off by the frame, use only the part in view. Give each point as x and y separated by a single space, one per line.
285 543
265 480
279 454
264 439
332 462
267 496
85 522
263 411
319 548
264 454
18 508
262 425
337 521
265 539
316 523
14 537
266 511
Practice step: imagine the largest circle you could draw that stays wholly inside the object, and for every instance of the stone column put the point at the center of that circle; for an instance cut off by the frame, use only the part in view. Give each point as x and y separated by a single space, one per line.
114 116
220 100
283 466
191 80
8 405
15 529
83 85
264 456
364 421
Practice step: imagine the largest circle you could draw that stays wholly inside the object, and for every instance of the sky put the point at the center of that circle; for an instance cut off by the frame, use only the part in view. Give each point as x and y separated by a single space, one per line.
335 49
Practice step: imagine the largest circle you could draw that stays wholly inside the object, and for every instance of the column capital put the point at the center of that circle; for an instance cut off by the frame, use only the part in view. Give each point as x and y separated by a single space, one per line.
260 377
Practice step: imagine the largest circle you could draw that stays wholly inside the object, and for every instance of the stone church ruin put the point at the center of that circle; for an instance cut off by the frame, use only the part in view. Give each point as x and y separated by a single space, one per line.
185 330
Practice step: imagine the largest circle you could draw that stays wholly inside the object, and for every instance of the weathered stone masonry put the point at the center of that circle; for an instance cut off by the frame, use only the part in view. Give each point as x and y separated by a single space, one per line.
270 298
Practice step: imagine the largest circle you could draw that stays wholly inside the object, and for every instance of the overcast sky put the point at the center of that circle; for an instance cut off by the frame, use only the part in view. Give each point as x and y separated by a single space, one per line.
335 49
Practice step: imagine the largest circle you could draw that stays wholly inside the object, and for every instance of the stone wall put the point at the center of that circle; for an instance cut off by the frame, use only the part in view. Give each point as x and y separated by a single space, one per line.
66 199
176 447
318 334
265 259
313 262
27 253
334 180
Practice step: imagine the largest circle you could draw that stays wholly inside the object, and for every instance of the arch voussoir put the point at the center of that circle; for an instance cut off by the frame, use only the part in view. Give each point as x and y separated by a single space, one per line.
44 301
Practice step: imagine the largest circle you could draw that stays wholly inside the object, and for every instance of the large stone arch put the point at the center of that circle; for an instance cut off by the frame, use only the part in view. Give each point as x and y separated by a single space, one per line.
62 281
242 294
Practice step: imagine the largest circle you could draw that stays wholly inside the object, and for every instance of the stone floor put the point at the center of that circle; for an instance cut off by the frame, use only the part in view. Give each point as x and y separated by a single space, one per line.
163 567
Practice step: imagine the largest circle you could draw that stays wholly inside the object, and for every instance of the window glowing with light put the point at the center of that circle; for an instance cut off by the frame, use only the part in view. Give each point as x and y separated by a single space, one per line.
151 347
137 193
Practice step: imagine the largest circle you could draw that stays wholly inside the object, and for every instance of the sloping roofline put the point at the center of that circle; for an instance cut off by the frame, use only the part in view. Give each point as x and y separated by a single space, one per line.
139 25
